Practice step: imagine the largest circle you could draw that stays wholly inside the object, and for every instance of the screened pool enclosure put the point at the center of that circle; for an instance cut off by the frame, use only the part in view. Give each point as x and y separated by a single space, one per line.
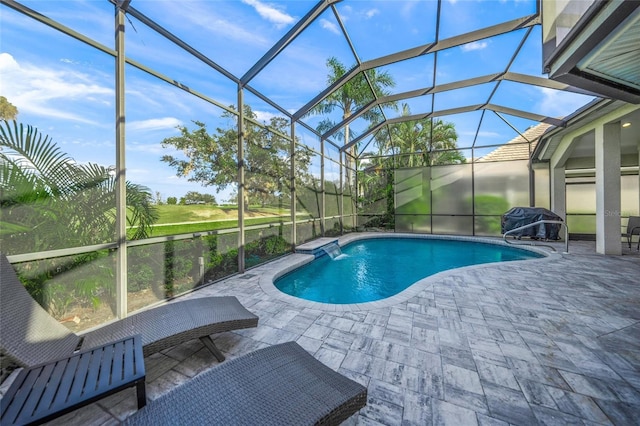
149 148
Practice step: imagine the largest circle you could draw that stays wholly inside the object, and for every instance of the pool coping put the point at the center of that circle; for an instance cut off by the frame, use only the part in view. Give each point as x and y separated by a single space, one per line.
288 263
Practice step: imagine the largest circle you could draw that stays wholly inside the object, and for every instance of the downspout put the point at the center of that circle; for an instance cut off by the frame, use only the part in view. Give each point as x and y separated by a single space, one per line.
532 180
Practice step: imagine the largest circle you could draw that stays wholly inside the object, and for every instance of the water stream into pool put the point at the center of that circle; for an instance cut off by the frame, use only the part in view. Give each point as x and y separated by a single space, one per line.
333 250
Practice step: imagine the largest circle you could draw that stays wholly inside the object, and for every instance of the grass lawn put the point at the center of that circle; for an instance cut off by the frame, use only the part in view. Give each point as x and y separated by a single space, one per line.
185 219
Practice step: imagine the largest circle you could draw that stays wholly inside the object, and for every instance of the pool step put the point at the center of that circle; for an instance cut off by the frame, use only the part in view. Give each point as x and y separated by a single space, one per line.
316 247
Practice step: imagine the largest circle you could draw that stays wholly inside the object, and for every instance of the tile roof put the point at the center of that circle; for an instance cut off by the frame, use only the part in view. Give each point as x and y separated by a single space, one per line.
518 147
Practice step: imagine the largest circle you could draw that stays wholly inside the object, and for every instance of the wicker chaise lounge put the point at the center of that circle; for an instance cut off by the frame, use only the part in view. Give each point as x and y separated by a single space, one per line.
30 336
63 371
278 385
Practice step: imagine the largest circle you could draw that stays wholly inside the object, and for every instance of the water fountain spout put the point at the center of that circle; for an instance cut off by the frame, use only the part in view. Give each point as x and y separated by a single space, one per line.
332 250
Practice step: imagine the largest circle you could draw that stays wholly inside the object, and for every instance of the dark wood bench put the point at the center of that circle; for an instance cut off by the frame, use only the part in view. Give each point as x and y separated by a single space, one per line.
44 392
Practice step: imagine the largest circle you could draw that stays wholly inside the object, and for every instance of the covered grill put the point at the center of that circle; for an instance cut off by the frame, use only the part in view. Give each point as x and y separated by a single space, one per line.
520 216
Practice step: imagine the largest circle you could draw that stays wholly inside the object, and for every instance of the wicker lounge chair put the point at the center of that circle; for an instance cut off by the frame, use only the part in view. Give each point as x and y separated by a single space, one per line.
64 371
279 385
30 336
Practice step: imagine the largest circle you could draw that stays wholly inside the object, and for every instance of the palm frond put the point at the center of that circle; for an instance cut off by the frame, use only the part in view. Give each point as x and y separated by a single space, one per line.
36 154
49 201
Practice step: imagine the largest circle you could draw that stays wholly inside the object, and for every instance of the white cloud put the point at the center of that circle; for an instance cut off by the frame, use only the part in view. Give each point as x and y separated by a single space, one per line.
263 116
482 133
7 63
328 25
332 176
270 13
557 103
199 16
475 45
154 124
50 92
151 148
407 9
488 134
371 13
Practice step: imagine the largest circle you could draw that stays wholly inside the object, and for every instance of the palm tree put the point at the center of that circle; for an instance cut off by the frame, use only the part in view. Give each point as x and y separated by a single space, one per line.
444 144
352 96
433 141
49 201
411 137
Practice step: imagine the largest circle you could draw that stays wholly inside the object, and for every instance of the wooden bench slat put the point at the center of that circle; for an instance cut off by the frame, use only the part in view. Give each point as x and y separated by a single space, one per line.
128 363
53 387
36 391
117 372
79 375
94 370
19 391
66 381
103 380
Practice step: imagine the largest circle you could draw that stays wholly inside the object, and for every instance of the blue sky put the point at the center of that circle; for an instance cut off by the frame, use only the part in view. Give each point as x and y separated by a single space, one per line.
66 88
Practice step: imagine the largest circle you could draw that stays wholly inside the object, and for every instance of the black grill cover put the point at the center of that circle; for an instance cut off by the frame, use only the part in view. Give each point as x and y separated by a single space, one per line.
520 216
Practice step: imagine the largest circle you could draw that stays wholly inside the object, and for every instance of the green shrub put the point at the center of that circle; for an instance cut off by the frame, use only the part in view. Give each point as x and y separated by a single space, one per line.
140 277
59 285
276 245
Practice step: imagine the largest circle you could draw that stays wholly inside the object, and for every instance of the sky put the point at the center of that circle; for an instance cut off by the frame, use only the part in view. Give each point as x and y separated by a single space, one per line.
66 88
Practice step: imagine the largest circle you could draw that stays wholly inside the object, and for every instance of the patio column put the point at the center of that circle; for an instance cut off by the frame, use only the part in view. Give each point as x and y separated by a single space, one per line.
557 171
558 192
608 223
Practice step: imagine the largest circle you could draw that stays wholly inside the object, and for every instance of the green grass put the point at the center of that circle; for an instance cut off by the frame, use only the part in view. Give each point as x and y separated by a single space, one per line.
213 225
193 213
199 213
187 219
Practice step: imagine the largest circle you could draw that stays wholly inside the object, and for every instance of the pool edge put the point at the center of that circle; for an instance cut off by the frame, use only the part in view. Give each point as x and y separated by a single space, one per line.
288 263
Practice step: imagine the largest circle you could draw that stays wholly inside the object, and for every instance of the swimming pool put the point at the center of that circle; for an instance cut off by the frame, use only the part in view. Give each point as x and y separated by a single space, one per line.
378 268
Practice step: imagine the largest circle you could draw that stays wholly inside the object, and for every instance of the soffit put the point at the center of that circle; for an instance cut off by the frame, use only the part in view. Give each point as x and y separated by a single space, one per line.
616 59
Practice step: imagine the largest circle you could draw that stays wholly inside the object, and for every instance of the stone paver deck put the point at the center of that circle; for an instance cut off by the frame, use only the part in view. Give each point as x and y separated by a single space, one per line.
552 342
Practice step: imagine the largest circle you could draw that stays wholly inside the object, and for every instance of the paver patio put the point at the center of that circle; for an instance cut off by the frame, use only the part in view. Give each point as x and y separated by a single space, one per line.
553 341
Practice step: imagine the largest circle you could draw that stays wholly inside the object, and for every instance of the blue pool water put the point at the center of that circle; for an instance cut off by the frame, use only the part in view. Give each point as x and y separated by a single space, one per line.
378 268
